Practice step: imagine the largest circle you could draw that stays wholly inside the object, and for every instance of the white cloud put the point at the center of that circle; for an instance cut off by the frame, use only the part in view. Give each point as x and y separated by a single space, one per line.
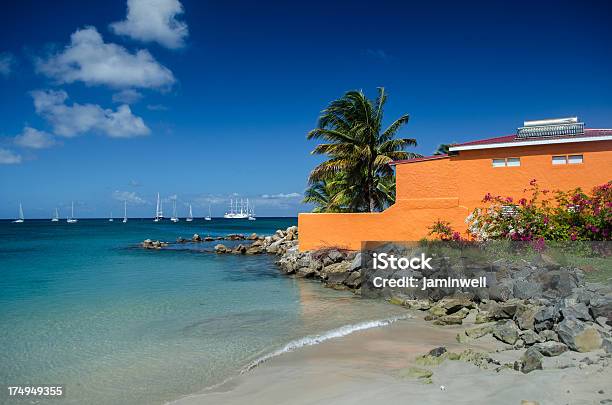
92 61
75 119
281 195
34 139
8 157
130 196
153 21
127 96
7 60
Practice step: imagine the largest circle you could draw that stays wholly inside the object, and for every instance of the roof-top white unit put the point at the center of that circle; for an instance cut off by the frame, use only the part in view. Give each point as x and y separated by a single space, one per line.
552 121
551 127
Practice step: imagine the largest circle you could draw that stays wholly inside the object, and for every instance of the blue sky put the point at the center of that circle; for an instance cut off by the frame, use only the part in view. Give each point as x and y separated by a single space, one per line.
203 99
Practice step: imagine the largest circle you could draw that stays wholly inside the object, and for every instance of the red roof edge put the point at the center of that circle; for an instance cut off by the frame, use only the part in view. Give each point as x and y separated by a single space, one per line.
416 160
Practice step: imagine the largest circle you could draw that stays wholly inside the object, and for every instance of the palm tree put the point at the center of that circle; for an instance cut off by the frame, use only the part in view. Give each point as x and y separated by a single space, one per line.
442 149
360 150
326 195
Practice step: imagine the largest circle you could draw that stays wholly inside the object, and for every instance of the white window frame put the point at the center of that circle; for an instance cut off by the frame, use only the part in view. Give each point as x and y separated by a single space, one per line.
506 162
560 160
569 159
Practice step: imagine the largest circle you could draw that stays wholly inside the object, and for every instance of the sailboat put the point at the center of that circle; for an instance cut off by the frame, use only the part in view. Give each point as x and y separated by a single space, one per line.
72 219
208 217
252 213
124 211
111 219
56 216
230 214
21 218
159 215
174 218
235 212
190 217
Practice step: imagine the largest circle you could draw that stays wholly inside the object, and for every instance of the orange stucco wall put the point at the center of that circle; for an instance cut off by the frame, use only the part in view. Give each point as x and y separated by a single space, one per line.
449 189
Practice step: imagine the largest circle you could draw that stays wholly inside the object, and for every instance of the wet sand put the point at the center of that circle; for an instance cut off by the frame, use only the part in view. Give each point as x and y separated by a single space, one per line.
363 368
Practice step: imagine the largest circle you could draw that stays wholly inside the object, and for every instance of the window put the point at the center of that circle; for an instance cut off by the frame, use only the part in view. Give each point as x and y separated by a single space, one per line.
565 159
499 162
559 160
507 162
574 159
513 162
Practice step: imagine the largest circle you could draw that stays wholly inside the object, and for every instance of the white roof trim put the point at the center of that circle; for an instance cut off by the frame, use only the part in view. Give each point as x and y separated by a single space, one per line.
530 143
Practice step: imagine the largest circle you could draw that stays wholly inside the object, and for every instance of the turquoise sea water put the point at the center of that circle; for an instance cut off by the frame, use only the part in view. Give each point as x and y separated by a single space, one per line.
83 306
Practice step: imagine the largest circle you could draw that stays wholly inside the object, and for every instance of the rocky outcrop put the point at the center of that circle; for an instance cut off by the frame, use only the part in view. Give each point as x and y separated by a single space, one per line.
579 336
551 349
531 360
153 244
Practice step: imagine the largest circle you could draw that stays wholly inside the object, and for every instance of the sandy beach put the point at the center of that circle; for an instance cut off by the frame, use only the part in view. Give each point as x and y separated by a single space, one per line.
365 367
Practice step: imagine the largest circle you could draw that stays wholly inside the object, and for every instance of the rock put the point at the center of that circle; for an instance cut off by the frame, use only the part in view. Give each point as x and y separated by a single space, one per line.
502 290
527 402
577 311
253 236
452 319
153 244
337 277
602 321
602 306
454 304
335 256
291 233
196 238
180 239
525 289
220 248
548 335
551 349
524 316
531 360
356 263
507 332
396 300
353 280
341 267
274 247
437 311
305 272
437 352
607 345
519 344
530 337
254 250
479 331
579 336
545 314
499 310
239 250
421 305
483 317
209 239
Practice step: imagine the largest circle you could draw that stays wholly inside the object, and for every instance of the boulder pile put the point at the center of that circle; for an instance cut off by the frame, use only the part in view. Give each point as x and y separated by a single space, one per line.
153 244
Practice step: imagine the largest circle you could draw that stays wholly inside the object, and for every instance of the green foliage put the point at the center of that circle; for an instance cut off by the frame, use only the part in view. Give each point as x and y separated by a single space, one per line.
566 216
442 149
356 177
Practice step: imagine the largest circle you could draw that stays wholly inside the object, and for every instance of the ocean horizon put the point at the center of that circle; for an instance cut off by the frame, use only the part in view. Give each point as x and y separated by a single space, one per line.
84 306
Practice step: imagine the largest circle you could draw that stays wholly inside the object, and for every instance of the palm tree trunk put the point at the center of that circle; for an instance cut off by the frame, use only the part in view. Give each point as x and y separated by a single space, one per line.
370 184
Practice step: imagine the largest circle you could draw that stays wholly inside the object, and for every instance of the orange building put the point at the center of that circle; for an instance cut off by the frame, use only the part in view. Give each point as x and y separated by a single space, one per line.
560 154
